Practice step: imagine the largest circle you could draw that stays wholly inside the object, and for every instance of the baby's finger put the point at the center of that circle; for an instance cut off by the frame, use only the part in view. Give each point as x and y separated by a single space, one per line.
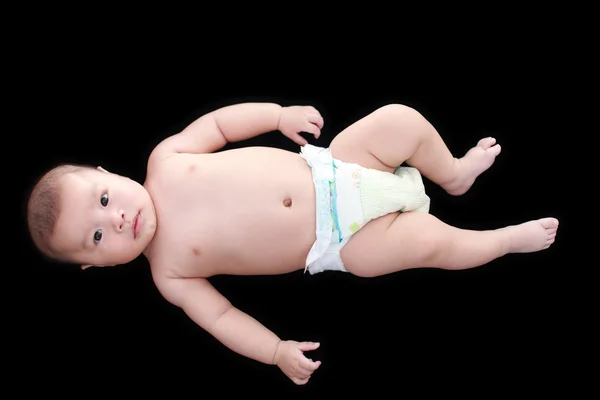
312 128
309 365
302 373
299 139
316 119
300 381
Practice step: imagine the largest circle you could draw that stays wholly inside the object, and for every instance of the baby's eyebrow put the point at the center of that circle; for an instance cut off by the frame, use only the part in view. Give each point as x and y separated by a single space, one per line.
93 190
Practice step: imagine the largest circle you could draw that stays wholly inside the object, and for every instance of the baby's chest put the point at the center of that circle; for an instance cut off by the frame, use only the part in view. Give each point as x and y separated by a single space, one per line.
186 253
189 233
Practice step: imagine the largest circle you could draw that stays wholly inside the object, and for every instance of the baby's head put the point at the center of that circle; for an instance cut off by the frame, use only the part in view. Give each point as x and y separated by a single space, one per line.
88 216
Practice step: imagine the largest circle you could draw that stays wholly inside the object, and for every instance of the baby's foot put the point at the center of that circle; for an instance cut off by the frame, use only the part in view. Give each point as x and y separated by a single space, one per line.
532 236
477 160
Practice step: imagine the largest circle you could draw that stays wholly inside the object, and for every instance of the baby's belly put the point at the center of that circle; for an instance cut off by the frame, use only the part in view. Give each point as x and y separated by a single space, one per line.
273 241
256 214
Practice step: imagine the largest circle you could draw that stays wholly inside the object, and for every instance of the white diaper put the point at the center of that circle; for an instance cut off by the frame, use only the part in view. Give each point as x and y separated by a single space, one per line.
348 196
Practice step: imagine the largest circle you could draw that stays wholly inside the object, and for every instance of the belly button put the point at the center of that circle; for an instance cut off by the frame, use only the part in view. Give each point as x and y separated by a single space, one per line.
287 202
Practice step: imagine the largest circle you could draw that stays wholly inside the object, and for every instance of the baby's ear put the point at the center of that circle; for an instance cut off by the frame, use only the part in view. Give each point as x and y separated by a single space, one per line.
102 169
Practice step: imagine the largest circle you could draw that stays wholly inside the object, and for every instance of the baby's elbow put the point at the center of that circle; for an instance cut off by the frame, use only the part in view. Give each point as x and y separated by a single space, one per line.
170 293
173 298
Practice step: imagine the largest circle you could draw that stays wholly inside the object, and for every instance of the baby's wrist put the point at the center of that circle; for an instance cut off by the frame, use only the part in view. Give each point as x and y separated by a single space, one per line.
276 353
279 118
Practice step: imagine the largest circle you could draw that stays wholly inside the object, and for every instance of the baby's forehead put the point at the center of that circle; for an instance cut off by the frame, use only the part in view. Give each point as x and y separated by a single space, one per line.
71 213
83 177
70 182
74 185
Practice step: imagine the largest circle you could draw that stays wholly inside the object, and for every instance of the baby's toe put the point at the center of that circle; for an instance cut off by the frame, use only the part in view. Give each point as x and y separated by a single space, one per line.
486 143
495 150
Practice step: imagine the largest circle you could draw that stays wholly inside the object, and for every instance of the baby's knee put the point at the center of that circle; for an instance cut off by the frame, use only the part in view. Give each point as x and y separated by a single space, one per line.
395 109
396 114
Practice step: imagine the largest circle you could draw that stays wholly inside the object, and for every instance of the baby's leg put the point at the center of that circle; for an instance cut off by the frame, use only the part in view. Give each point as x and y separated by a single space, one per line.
395 134
419 240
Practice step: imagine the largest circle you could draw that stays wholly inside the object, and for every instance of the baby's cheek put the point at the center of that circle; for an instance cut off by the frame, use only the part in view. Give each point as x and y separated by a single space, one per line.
122 247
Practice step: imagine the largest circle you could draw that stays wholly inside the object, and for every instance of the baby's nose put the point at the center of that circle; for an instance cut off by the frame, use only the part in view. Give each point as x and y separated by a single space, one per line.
119 220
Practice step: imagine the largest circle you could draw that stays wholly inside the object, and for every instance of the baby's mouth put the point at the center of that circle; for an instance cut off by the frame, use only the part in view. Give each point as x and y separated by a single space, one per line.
134 225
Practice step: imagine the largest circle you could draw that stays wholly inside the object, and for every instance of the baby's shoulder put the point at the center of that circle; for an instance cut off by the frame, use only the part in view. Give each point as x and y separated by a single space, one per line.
160 166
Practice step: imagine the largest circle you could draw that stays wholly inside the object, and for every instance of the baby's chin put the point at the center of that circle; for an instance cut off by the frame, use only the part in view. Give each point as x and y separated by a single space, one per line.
109 262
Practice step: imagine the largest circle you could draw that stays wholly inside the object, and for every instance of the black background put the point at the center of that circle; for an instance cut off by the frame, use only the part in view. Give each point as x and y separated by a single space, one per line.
109 102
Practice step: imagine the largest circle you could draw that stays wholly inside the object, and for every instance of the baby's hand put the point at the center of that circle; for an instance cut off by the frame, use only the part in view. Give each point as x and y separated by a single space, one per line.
290 359
296 119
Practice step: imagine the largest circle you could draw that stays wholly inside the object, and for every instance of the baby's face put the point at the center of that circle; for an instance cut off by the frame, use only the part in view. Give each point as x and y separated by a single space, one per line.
105 219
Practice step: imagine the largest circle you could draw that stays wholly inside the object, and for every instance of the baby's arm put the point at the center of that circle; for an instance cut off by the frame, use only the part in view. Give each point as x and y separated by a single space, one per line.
215 314
214 130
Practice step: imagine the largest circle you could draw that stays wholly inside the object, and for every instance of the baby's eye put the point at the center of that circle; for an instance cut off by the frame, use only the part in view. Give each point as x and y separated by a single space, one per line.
97 235
104 200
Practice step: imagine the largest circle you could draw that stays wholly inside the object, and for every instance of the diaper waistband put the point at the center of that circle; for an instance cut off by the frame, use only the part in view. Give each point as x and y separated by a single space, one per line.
321 162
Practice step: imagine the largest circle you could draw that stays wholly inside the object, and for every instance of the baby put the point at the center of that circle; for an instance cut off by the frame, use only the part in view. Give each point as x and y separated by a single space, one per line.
203 212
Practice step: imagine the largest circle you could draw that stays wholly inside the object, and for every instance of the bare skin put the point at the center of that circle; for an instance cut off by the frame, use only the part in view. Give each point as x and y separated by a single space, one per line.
252 212
271 231
247 211
395 134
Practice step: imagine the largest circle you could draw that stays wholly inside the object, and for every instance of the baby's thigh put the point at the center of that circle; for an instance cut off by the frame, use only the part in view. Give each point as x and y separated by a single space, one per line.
392 243
352 144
